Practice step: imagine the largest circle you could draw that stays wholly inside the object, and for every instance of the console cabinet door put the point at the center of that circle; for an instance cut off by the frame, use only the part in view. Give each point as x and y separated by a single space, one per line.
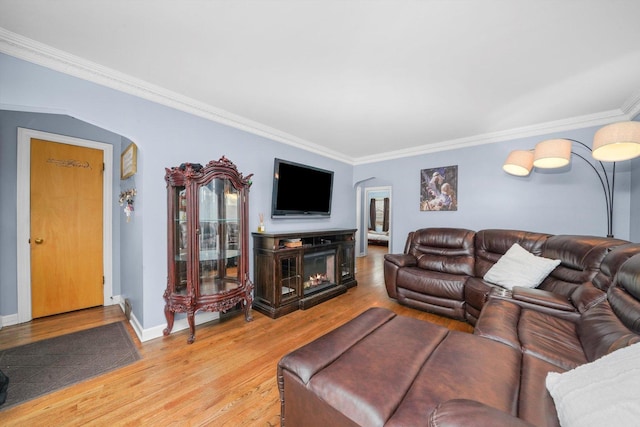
290 278
347 262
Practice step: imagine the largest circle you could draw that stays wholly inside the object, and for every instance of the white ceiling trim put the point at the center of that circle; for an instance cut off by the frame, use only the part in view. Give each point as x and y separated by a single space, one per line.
631 107
41 54
599 119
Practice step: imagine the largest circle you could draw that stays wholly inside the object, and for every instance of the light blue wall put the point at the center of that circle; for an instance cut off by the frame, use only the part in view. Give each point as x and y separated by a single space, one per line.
566 201
131 239
165 137
634 219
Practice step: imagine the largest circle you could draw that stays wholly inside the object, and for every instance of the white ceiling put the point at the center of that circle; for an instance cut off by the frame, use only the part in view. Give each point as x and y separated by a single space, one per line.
357 80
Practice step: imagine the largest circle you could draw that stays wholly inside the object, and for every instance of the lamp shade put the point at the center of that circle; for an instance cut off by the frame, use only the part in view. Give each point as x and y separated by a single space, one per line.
519 163
617 142
552 153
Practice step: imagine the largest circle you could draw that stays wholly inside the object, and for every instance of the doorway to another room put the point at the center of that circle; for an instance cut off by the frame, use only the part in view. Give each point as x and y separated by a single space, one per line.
377 213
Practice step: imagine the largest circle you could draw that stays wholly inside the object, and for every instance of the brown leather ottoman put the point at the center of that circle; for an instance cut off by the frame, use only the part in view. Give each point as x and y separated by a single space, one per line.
383 369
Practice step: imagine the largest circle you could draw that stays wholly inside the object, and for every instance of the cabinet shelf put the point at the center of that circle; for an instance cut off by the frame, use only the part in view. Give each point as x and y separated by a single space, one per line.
210 255
208 221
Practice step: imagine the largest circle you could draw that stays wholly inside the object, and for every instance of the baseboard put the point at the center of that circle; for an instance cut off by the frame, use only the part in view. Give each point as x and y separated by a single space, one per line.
10 320
158 331
143 334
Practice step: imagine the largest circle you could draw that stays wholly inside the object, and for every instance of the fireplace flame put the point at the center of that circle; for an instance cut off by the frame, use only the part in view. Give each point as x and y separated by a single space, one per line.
317 279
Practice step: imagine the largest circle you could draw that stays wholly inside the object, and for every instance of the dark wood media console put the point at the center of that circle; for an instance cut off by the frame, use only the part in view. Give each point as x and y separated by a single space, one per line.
297 270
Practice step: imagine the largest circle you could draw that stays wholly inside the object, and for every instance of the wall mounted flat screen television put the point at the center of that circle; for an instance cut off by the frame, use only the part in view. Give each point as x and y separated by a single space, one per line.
300 190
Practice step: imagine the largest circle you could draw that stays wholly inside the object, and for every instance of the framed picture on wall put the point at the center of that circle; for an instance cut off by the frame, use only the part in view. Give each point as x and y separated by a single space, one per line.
439 189
129 161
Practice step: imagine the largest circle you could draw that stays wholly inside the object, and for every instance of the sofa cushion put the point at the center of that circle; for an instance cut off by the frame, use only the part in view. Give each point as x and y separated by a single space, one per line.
604 392
518 267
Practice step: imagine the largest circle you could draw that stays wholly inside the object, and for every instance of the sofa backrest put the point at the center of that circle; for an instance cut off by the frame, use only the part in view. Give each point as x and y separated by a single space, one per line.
491 244
446 250
614 323
611 264
624 296
580 258
591 293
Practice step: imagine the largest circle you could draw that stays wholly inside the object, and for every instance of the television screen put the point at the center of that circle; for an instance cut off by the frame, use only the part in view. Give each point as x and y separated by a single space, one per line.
300 190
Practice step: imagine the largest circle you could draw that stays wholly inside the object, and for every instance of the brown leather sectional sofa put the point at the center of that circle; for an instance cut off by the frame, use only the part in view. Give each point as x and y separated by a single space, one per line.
441 269
383 369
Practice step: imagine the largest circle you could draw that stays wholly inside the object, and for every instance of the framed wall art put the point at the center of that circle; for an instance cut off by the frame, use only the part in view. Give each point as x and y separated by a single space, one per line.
439 188
129 161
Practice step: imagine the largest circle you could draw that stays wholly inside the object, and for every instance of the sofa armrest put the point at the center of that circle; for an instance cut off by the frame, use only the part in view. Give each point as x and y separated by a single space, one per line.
542 298
392 264
401 260
586 296
463 413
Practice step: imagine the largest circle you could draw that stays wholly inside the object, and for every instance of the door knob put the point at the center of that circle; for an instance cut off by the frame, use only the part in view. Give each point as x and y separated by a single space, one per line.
38 241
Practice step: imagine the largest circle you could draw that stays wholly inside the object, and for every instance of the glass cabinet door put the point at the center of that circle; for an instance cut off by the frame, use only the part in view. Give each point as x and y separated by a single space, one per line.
219 245
180 240
347 263
232 239
289 278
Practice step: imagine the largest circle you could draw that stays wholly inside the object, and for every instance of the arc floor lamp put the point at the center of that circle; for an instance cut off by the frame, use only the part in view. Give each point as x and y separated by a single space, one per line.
612 143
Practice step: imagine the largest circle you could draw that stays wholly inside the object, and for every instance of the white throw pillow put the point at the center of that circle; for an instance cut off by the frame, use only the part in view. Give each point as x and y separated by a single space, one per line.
519 267
605 392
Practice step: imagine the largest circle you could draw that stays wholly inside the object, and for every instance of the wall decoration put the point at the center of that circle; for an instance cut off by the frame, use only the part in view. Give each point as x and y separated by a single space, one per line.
439 188
129 161
126 200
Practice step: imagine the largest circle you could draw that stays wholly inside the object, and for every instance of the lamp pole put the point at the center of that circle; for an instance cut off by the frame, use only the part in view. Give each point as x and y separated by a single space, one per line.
608 186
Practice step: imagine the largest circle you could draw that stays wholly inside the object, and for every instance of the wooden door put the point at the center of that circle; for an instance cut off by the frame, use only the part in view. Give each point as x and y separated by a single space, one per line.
66 228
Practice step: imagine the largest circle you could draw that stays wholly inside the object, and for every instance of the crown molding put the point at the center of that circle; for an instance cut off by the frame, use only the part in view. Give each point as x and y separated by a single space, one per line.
41 54
599 119
631 107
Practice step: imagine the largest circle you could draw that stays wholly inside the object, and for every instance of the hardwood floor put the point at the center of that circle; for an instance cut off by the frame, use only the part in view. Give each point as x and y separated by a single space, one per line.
226 378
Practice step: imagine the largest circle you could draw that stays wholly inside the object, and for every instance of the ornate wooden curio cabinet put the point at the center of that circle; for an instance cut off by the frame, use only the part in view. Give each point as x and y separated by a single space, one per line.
208 243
